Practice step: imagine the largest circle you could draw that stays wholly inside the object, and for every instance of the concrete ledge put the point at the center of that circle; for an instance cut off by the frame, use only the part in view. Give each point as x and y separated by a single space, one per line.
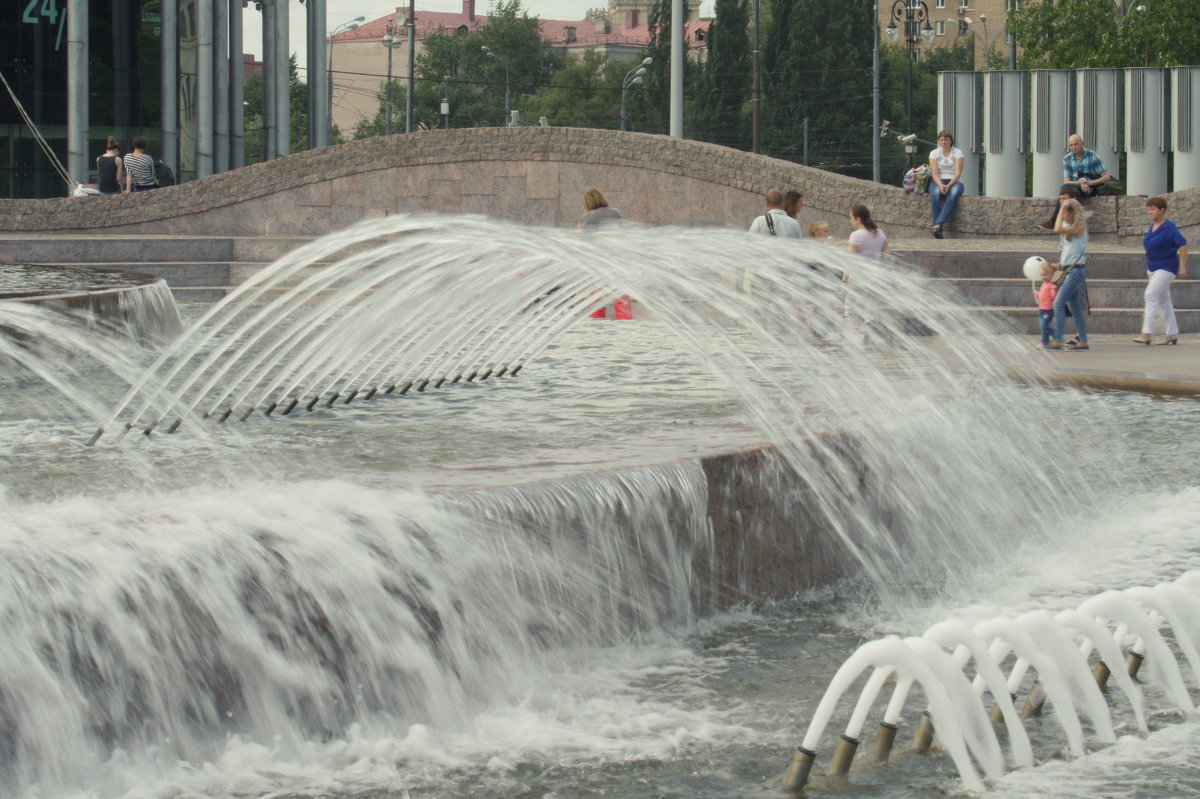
537 176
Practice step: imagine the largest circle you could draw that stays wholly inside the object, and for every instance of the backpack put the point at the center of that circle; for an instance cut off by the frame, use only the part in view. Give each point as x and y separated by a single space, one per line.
163 174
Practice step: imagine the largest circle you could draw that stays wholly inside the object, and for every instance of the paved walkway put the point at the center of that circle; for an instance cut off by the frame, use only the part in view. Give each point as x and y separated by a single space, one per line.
1114 362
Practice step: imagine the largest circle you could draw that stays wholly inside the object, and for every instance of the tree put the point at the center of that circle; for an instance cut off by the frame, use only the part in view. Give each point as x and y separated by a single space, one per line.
723 89
478 81
252 95
584 93
1101 33
817 68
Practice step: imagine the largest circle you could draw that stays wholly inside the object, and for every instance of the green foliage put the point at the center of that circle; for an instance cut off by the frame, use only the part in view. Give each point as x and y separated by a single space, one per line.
894 66
817 66
377 125
585 93
723 89
1097 33
477 81
252 92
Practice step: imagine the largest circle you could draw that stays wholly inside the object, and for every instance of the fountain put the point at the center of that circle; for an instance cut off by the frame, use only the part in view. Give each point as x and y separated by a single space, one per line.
637 553
137 305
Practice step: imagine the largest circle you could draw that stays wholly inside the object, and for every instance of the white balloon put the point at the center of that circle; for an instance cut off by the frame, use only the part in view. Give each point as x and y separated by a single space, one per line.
1033 267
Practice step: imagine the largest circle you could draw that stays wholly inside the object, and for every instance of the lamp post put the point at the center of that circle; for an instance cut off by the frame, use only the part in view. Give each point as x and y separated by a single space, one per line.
340 29
914 14
983 38
632 78
507 83
391 43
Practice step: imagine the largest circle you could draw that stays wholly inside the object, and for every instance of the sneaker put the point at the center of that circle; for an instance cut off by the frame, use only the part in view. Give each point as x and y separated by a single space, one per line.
1046 225
1054 345
937 231
1078 346
1071 342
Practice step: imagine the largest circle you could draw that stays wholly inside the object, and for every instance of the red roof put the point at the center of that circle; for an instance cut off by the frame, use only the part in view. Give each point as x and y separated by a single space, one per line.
553 30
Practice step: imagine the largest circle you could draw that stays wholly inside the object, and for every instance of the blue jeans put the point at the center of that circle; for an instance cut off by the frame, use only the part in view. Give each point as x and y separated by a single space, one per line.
1069 295
1045 322
942 205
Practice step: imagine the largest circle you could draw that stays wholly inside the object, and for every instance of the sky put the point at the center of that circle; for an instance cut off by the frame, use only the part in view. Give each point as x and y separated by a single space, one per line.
340 11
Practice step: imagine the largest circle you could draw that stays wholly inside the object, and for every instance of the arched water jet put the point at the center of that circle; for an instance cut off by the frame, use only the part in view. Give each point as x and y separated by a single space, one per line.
1042 640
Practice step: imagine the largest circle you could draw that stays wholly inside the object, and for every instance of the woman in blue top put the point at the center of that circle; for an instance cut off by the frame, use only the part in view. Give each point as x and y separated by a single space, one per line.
1166 259
1071 225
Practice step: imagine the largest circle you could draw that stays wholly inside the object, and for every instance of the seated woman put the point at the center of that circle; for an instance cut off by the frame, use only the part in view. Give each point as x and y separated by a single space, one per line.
945 184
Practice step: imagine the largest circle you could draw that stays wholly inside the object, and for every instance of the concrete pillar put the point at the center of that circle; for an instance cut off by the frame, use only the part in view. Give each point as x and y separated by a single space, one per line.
77 92
318 83
1006 121
269 106
169 147
237 80
677 67
1185 126
221 87
1147 91
283 81
1100 114
204 88
960 109
1053 121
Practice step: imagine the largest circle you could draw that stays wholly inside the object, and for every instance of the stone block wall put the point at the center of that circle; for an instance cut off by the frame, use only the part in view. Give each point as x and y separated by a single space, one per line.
537 176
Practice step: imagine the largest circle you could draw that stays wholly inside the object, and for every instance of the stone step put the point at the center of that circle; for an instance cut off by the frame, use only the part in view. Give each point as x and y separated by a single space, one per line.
1102 293
1101 320
130 250
1127 265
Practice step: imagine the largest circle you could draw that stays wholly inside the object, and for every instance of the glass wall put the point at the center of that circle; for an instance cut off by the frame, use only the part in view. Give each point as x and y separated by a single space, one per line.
124 79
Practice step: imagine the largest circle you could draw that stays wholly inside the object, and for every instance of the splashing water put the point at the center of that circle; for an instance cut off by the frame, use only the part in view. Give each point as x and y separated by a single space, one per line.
327 601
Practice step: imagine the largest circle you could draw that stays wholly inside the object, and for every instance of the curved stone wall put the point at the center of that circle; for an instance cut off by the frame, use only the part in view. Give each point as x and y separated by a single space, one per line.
536 176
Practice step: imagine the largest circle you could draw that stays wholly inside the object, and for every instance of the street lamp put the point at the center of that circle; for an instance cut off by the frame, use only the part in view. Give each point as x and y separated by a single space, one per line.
340 29
391 43
507 83
632 78
914 14
983 38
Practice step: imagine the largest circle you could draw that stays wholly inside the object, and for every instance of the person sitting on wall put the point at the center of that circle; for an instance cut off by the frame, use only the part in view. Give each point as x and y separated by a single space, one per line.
1083 172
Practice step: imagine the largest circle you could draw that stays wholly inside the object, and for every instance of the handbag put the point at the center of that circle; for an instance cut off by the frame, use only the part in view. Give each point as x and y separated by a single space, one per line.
1059 276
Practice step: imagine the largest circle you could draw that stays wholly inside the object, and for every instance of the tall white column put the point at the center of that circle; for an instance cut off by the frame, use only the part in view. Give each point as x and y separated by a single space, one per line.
1185 126
960 112
1006 108
77 91
1053 121
1146 130
1100 110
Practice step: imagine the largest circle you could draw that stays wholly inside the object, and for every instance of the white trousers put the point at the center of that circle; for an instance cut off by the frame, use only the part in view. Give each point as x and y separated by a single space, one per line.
1158 301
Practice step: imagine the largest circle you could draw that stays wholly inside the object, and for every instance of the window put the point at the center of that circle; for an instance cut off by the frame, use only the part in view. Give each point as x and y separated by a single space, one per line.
939 27
941 3
964 27
963 4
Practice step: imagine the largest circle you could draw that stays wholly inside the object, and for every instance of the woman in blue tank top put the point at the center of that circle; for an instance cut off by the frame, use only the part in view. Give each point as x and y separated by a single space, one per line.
1071 225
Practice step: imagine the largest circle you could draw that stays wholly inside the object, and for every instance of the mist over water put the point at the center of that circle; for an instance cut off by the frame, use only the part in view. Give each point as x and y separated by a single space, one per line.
357 599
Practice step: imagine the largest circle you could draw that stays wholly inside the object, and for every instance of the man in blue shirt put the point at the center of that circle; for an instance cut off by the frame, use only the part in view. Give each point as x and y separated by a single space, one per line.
1083 173
1083 168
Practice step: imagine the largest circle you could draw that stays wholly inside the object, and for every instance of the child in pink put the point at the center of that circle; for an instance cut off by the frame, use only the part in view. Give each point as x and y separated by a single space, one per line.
1045 300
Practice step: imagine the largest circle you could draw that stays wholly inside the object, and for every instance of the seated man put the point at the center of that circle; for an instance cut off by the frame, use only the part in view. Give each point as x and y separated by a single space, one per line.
1083 169
1084 175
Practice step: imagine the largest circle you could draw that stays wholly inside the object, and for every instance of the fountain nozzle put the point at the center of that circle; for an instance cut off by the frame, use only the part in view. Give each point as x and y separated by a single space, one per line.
885 738
801 766
843 756
924 737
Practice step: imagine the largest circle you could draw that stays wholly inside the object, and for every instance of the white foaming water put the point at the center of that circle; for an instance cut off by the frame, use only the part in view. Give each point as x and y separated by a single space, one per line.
286 607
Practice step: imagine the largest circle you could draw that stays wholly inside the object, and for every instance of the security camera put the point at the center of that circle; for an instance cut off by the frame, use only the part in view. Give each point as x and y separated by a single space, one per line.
909 139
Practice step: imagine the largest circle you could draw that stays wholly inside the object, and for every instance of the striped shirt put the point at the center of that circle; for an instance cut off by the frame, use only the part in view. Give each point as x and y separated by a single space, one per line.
141 168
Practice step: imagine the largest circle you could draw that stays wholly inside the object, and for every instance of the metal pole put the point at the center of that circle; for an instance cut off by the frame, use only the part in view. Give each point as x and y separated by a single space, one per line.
237 111
412 49
446 103
387 106
507 95
283 81
269 152
756 89
169 96
677 68
318 89
624 91
221 87
876 114
77 91
204 88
